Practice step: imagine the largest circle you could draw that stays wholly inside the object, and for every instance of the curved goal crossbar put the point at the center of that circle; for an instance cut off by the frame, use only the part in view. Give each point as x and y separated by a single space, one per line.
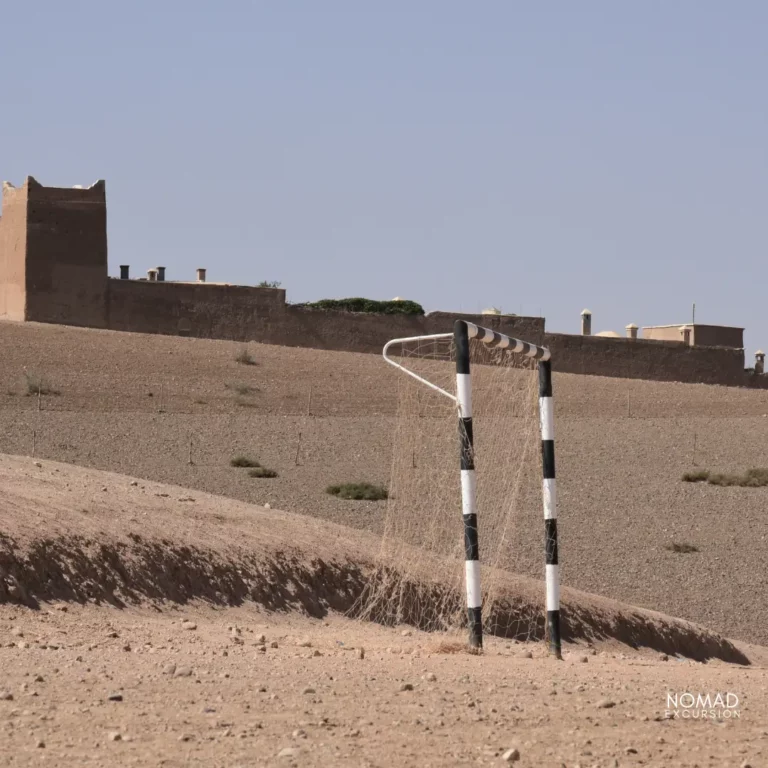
500 341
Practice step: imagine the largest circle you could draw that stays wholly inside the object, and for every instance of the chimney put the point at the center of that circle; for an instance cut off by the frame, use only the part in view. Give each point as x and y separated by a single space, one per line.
631 331
125 271
586 322
686 334
152 275
200 275
160 274
759 361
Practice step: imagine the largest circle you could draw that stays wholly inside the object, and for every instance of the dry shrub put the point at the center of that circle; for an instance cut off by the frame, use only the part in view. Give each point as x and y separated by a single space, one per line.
241 389
261 472
358 491
243 461
454 646
244 357
682 547
700 476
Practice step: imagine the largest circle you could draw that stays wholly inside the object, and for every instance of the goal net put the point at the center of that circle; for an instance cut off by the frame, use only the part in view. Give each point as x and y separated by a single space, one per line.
420 573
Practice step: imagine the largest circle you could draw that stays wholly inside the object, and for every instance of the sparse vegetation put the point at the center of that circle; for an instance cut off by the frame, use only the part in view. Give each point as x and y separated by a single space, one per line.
241 389
454 646
358 491
244 357
269 284
700 476
261 472
682 547
752 478
243 461
35 384
368 305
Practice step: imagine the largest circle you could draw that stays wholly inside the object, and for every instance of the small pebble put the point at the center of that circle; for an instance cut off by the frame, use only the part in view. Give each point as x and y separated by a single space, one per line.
115 697
360 653
605 704
183 672
406 687
188 625
511 756
115 736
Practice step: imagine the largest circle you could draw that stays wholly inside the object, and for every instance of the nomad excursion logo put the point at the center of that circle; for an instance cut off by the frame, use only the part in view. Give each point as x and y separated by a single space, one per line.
706 706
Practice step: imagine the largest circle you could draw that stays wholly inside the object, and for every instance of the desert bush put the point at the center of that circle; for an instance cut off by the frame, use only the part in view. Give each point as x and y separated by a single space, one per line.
261 472
269 284
682 547
368 305
35 384
244 357
241 389
757 477
700 476
358 491
724 480
243 461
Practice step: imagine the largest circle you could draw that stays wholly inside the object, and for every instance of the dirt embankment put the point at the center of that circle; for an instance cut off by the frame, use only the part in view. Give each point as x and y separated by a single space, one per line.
73 534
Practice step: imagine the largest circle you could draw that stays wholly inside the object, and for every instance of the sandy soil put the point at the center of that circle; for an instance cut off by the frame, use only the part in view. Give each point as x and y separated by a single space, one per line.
176 628
322 417
211 697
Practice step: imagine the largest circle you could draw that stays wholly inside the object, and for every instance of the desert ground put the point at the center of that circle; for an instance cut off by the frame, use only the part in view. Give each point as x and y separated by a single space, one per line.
144 625
160 607
144 405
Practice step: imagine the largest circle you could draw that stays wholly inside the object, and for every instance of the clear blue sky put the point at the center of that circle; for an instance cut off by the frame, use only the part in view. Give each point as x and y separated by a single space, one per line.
536 156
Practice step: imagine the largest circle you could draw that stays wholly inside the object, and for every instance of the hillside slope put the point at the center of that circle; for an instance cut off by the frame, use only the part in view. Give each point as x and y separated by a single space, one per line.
131 404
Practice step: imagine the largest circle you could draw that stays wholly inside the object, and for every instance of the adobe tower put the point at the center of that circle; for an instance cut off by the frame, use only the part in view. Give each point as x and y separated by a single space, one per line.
53 254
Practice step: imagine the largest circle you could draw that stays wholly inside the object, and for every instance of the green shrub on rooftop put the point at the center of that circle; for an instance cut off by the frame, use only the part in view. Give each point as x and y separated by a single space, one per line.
370 306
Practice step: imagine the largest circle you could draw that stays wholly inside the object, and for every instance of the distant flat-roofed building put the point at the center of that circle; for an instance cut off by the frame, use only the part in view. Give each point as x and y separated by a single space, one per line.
698 335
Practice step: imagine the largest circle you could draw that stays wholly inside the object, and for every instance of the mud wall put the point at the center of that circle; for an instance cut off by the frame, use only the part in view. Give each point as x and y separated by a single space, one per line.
243 313
647 359
203 310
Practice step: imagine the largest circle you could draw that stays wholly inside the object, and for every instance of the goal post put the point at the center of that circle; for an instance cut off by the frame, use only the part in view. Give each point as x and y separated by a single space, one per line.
464 332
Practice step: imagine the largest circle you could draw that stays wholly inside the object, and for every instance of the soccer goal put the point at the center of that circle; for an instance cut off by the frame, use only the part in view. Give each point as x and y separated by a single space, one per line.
497 439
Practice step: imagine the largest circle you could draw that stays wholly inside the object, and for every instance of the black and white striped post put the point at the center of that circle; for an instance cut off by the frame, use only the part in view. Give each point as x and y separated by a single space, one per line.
549 491
468 493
